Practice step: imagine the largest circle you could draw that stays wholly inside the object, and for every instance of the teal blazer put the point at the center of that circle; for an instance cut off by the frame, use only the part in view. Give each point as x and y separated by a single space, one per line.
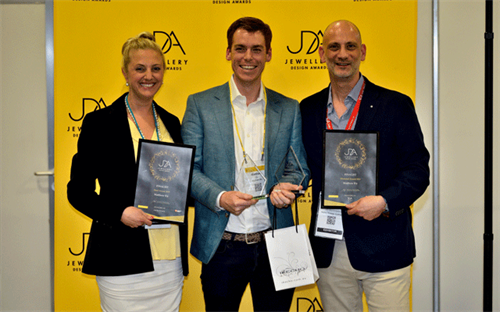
208 125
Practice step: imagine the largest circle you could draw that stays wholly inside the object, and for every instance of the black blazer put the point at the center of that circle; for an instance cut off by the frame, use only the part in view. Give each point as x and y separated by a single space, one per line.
382 244
106 154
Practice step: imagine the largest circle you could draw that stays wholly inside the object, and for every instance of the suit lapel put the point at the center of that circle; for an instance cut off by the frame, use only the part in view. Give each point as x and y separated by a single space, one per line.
273 117
320 119
169 123
368 107
121 130
224 122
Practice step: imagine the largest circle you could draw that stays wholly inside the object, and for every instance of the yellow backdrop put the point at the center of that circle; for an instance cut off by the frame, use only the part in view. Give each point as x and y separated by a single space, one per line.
88 35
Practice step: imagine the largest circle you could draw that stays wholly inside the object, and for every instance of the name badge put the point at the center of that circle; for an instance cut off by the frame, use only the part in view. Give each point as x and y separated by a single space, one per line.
329 223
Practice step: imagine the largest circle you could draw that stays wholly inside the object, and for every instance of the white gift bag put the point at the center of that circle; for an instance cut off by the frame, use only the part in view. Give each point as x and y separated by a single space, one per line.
291 257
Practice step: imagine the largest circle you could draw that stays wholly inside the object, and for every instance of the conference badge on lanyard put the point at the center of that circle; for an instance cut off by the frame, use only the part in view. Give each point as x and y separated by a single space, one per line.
251 178
329 223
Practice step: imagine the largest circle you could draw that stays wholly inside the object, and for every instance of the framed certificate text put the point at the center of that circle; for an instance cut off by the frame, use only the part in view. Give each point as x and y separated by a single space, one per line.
350 166
164 179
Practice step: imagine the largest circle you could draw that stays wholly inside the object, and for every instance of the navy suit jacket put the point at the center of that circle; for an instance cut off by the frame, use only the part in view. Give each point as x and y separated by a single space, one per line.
106 154
382 244
208 124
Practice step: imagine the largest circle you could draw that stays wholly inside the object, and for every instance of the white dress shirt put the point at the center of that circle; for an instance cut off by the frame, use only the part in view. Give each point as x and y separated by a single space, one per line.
250 122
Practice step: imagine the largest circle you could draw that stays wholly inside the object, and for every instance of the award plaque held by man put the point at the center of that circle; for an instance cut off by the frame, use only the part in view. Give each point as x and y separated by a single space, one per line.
350 168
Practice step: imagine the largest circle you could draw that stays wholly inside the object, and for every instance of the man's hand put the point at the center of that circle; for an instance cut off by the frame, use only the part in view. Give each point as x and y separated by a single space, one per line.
368 207
235 202
135 217
281 196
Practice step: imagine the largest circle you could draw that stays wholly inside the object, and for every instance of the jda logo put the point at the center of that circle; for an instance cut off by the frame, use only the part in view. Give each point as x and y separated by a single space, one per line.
351 152
308 305
82 247
309 40
165 164
167 41
86 103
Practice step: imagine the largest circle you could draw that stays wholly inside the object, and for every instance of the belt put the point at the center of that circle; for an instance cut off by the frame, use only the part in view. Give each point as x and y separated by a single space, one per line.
249 238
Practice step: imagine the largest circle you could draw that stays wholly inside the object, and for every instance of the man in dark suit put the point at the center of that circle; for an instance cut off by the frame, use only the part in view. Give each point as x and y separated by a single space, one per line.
377 247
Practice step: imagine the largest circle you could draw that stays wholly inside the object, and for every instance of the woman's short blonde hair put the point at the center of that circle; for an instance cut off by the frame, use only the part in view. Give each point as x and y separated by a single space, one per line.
142 41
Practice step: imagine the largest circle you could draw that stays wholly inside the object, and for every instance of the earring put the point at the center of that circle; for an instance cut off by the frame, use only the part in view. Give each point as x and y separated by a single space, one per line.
126 84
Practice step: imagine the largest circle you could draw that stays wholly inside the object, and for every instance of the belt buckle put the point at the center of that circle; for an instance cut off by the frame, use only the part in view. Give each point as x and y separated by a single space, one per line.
250 243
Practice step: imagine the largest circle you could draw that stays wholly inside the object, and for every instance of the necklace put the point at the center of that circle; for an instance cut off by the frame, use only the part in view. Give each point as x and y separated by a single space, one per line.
135 121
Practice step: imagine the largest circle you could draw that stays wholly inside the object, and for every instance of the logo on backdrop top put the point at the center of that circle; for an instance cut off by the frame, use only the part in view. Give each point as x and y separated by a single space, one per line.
169 42
303 53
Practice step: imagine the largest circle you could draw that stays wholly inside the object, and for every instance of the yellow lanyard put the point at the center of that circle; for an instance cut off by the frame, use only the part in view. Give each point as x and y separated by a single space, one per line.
236 123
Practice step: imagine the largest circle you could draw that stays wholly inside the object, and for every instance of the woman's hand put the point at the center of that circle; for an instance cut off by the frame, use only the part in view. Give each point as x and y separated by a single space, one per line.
135 217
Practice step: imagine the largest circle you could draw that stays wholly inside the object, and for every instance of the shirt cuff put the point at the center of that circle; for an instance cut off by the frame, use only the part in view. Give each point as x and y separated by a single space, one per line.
217 202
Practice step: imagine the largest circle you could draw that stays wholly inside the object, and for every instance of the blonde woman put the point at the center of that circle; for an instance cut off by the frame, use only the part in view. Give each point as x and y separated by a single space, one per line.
136 269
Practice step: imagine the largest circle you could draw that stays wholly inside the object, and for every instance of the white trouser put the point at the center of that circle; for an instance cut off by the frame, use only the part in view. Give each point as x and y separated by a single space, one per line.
341 286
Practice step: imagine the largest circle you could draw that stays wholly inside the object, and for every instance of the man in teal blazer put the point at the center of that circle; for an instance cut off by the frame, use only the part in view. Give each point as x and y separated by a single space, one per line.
239 118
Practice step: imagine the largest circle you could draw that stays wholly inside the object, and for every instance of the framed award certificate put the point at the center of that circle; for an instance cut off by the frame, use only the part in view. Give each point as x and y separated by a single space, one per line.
350 166
164 180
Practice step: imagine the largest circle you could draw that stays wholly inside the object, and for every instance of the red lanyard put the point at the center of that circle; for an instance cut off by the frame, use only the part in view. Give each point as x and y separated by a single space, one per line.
354 113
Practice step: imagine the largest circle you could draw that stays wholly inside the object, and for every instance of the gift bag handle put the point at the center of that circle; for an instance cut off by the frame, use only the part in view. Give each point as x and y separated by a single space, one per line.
275 224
